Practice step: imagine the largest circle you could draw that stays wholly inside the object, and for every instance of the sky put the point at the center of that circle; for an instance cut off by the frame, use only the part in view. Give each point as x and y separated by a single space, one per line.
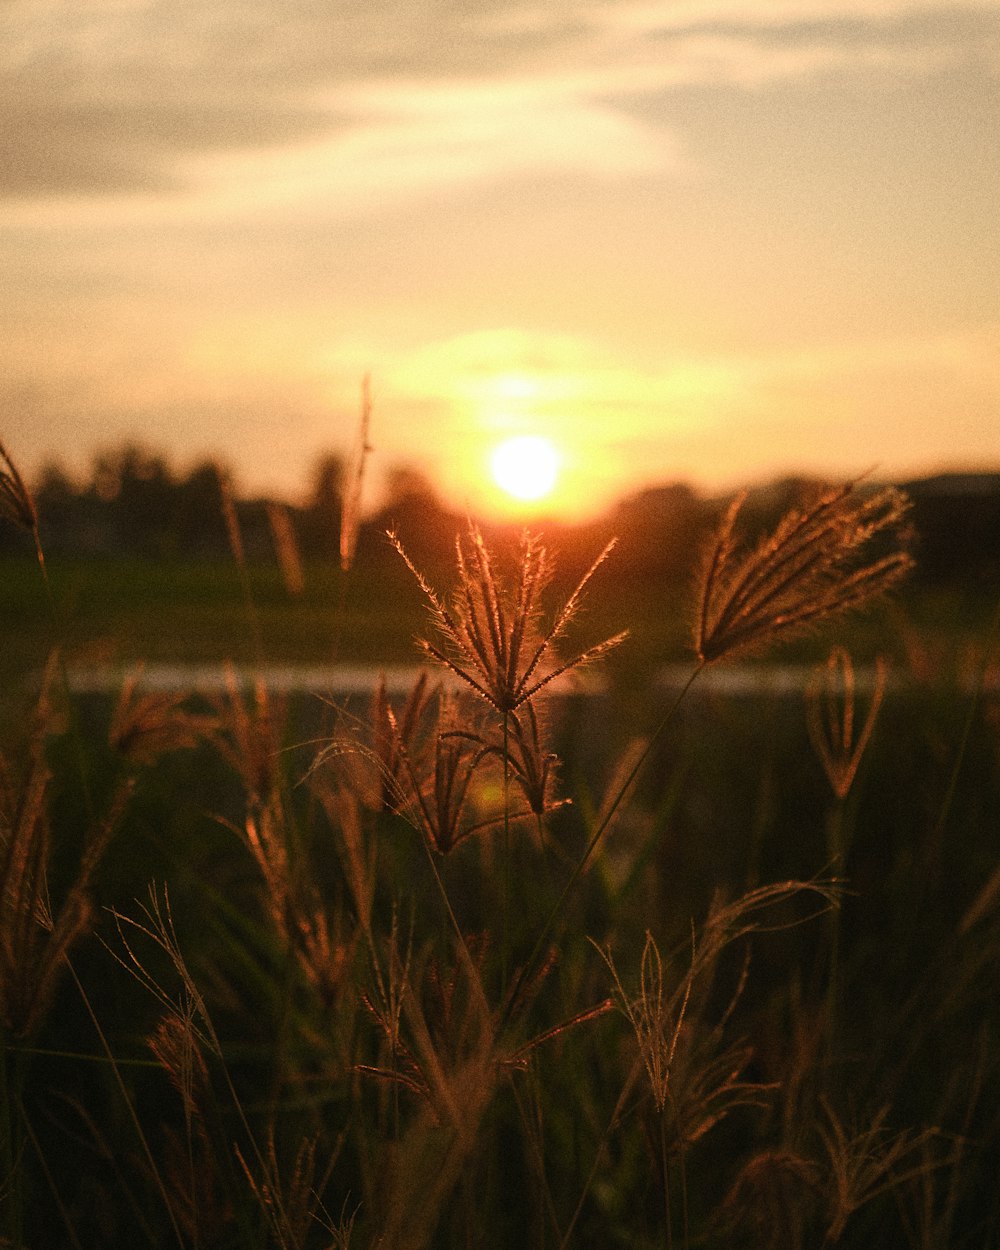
717 241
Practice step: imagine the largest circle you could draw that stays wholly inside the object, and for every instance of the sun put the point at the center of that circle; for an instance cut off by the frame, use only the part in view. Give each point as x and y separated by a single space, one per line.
526 467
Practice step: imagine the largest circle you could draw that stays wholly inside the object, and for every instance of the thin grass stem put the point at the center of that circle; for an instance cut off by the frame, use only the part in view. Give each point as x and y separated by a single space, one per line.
505 948
630 1081
59 634
937 834
239 556
129 1104
595 838
50 1181
453 920
668 1233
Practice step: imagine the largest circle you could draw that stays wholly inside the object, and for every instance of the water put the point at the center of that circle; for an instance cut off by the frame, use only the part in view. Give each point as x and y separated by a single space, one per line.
342 680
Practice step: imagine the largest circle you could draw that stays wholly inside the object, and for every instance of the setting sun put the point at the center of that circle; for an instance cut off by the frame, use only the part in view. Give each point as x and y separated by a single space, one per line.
526 467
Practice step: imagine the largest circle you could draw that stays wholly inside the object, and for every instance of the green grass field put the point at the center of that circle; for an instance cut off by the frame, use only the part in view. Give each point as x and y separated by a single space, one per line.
171 611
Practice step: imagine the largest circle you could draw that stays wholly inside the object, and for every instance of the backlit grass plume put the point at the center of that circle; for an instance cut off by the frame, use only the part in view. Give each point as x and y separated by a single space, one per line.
492 636
35 935
16 502
816 563
830 717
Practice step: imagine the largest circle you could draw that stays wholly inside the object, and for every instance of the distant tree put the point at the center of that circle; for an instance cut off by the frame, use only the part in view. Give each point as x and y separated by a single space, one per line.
136 488
956 518
60 514
414 511
319 523
660 531
198 525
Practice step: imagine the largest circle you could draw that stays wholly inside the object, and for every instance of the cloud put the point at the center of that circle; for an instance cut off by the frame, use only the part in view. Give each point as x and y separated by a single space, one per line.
103 99
414 140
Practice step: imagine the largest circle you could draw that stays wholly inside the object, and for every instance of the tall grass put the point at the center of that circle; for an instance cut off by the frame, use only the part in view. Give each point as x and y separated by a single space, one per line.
495 964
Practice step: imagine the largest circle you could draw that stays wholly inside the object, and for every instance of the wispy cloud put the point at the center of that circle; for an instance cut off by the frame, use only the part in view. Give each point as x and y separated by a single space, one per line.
674 14
300 100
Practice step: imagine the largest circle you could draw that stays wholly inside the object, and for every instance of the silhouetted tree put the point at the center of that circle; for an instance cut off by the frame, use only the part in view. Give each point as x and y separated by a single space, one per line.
956 518
199 528
134 503
318 525
660 532
414 511
58 506
136 489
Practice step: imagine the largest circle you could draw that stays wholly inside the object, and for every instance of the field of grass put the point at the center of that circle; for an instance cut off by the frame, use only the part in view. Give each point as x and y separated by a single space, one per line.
275 972
118 611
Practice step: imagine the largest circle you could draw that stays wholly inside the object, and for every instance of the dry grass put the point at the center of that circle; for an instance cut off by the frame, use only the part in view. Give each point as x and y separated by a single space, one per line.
36 934
830 716
493 637
16 502
367 1008
816 564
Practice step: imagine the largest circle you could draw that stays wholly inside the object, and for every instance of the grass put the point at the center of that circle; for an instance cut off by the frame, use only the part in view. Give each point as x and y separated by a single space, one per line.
498 966
132 610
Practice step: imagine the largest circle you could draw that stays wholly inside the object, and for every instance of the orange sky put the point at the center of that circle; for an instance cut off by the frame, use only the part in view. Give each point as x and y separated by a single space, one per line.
700 239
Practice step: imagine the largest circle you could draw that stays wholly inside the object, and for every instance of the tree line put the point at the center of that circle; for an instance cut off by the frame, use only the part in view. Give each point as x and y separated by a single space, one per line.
135 503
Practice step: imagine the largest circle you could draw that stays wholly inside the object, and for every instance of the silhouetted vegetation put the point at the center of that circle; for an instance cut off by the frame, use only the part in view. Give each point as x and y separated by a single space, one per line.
134 504
656 967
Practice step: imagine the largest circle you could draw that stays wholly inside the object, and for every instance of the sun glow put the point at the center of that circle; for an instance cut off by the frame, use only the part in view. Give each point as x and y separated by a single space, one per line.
526 467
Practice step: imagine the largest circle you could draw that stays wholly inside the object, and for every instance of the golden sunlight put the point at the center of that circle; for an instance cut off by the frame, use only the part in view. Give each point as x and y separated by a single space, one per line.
526 467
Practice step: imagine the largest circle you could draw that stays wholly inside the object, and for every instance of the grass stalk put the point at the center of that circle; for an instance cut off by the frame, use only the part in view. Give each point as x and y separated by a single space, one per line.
668 1232
11 1181
243 572
837 859
505 872
50 1181
601 1151
972 707
467 959
129 1104
595 838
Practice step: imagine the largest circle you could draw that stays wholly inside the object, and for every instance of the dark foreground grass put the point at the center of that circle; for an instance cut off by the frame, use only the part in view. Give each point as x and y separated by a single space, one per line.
279 973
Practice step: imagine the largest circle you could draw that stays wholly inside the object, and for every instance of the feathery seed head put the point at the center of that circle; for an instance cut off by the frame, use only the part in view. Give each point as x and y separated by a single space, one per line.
248 735
145 726
493 636
434 783
830 711
816 563
16 502
655 1014
532 764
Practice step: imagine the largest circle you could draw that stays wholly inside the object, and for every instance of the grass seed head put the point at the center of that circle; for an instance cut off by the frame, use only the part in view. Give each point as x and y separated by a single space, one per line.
248 734
16 502
830 717
36 936
434 789
492 635
146 725
656 1015
816 563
